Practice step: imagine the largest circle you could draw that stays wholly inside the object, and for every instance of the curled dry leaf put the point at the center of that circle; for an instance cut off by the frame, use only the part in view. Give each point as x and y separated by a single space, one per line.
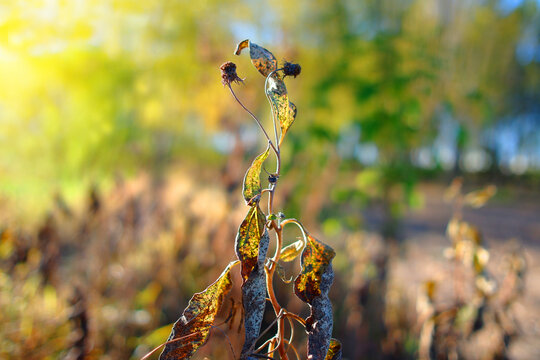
334 351
454 190
248 238
241 46
316 257
254 299
197 319
479 198
290 252
252 179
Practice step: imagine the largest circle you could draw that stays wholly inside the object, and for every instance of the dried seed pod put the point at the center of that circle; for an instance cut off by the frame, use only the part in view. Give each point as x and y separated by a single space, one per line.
290 69
228 73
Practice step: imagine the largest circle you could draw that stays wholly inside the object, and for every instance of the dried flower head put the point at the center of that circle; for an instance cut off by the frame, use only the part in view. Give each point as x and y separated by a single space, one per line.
228 73
291 69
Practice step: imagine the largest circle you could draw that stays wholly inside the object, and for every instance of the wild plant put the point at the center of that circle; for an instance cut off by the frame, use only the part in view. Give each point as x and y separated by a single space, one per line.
192 330
479 302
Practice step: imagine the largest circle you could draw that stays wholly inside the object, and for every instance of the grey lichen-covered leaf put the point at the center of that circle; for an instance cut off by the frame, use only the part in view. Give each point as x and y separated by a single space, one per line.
254 299
319 324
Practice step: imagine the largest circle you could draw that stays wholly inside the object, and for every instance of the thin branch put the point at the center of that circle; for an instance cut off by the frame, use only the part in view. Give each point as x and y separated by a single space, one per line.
264 344
255 118
266 330
295 317
262 356
296 222
228 340
292 334
294 349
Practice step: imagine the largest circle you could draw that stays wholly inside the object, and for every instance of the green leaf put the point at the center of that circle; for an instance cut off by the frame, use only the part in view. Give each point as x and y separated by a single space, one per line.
290 252
248 238
197 319
252 179
334 352
316 257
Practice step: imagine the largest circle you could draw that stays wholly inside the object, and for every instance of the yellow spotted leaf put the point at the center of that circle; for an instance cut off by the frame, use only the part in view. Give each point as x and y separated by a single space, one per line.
290 252
316 257
193 327
252 179
263 59
282 108
334 351
248 238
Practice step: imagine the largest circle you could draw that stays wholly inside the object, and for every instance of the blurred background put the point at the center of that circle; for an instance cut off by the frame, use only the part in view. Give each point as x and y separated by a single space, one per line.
122 155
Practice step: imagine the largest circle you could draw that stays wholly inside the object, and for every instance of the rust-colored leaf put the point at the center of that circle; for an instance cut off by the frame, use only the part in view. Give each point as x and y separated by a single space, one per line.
248 238
197 319
316 257
252 179
334 351
290 252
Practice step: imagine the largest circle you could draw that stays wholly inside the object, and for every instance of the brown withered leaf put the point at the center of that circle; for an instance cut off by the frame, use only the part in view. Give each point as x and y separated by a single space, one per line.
197 319
248 238
252 179
316 257
334 351
290 252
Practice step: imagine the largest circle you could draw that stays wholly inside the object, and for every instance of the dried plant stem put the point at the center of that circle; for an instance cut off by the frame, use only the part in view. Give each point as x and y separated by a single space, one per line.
228 341
295 317
254 118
